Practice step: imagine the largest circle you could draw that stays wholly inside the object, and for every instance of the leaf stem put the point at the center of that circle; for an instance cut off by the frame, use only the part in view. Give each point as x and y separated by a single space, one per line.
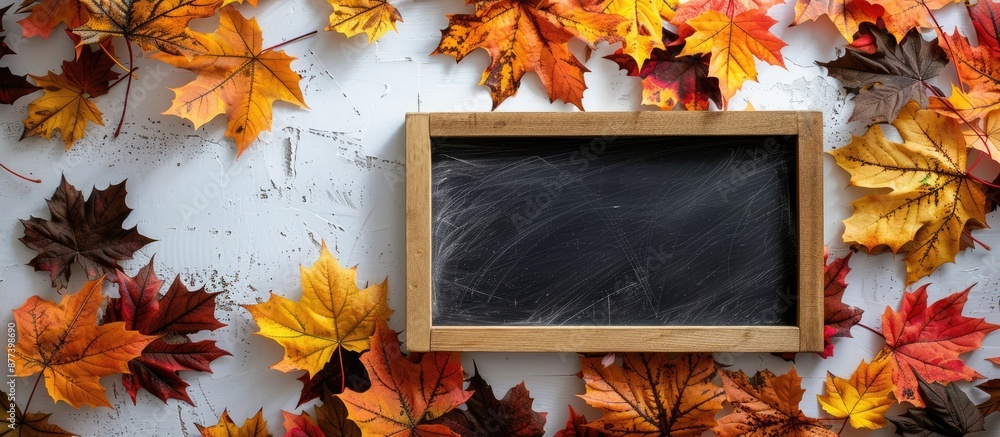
975 240
37 181
982 181
844 425
116 82
128 88
32 394
871 329
290 41
340 357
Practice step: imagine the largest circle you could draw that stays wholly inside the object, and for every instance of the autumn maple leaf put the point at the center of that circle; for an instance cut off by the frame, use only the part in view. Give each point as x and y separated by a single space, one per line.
19 424
991 405
863 399
645 32
650 394
331 417
236 77
576 426
65 344
343 371
525 35
901 16
846 15
45 15
174 316
734 43
487 416
669 80
889 78
989 141
978 67
766 405
949 412
86 232
690 9
836 314
371 17
300 425
927 341
152 24
66 104
407 392
333 313
255 426
932 200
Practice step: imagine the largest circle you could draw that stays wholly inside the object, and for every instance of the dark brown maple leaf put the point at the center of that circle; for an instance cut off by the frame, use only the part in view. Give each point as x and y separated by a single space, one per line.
27 425
991 405
86 232
344 370
176 314
331 417
889 78
487 416
949 412
669 80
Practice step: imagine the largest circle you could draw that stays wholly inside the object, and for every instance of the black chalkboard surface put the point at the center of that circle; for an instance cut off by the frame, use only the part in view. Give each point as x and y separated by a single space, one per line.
593 232
627 231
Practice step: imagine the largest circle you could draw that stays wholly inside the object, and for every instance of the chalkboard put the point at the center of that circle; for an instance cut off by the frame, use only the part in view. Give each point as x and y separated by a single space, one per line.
539 230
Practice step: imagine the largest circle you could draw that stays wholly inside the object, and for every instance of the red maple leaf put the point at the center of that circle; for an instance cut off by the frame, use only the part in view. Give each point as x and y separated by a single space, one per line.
174 315
927 341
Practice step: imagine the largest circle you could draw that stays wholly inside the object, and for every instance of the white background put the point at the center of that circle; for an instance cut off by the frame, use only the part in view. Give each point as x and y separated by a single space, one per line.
335 173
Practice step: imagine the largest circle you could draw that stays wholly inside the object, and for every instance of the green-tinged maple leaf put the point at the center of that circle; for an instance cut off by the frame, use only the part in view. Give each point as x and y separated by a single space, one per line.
87 232
949 412
889 78
932 200
669 80
924 342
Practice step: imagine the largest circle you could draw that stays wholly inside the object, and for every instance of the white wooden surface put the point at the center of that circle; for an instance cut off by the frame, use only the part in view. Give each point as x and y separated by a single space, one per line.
336 174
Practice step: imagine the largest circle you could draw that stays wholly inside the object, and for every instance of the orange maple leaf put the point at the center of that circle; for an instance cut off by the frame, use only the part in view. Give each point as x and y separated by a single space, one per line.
766 405
45 15
153 24
406 392
64 342
526 35
300 425
27 424
650 394
333 313
255 426
846 15
927 341
734 43
978 67
236 77
932 200
688 10
902 15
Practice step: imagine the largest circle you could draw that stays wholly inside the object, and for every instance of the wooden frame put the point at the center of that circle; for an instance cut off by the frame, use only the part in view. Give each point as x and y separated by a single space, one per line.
422 335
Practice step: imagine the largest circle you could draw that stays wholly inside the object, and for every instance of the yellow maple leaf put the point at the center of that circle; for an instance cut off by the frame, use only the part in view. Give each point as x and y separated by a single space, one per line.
250 2
864 398
255 426
931 201
333 313
63 106
643 29
734 44
371 17
64 342
236 77
153 24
